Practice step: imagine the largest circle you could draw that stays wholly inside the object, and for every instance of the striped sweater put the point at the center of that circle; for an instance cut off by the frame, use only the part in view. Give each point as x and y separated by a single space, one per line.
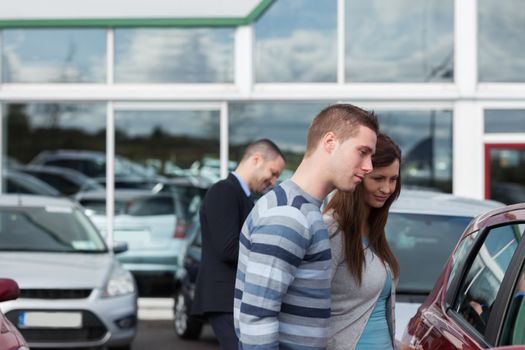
282 289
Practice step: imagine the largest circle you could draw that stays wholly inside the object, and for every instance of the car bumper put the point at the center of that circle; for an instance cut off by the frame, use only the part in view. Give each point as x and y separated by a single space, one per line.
105 321
158 263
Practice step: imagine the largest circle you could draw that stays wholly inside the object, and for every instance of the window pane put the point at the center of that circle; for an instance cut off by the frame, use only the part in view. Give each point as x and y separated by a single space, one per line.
481 285
425 138
399 41
507 179
174 55
422 245
501 37
296 41
37 127
171 143
504 120
54 55
286 124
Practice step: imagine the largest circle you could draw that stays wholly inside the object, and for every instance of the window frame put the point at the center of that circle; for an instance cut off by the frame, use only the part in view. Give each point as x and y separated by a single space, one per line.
496 319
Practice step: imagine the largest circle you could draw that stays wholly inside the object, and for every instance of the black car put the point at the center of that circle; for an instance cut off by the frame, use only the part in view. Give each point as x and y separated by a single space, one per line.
187 326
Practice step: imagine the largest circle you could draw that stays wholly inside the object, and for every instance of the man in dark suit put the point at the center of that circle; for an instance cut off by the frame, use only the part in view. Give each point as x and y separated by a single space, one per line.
225 207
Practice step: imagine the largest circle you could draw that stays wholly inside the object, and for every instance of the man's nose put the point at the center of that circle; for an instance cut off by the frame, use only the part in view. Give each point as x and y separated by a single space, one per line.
367 165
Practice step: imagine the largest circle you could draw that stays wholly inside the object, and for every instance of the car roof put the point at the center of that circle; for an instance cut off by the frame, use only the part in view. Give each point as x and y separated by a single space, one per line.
124 194
26 200
511 212
69 153
437 203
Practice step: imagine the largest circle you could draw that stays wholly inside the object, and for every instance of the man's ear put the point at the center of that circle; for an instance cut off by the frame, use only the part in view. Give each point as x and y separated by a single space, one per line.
256 158
329 142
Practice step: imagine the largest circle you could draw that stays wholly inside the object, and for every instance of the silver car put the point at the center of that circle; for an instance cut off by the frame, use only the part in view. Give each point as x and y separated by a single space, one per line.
423 228
74 293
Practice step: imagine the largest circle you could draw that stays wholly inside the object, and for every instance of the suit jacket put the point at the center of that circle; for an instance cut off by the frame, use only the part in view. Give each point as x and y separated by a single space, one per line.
222 214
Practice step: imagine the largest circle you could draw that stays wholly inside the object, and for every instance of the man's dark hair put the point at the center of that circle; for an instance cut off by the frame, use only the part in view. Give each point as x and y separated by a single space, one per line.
341 119
266 147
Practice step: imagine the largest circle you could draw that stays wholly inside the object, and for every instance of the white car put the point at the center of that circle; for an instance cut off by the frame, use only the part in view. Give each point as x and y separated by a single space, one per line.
73 291
155 227
423 228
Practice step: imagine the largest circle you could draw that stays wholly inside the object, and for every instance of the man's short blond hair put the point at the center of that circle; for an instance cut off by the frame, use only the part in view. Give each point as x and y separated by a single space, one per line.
341 119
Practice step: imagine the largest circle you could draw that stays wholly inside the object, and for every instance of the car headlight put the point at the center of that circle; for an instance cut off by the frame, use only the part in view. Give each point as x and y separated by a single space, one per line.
120 282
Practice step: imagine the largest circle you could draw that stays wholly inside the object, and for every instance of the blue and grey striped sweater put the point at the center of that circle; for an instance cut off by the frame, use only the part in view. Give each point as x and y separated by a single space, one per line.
282 290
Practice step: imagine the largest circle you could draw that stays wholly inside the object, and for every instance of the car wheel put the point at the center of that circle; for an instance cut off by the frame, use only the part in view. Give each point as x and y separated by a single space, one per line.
186 326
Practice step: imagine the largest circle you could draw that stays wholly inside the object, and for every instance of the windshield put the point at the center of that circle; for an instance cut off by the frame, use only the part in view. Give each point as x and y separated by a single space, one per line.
50 229
422 244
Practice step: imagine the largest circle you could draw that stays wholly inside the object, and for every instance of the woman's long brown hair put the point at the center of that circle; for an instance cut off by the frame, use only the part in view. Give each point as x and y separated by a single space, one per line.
350 211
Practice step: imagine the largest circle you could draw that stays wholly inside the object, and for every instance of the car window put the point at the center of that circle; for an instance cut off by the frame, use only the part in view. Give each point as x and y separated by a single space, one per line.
93 168
57 229
98 206
514 325
422 244
464 247
478 290
152 206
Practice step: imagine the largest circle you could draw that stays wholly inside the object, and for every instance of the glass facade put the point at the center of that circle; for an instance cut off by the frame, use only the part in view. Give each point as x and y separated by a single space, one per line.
174 55
291 48
54 55
404 49
399 41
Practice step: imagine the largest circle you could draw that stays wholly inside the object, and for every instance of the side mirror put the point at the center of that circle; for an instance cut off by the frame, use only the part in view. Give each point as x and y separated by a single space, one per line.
119 247
8 289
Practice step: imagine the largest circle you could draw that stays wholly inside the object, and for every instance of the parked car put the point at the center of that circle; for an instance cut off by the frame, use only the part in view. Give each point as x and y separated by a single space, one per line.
185 325
478 299
10 337
155 227
74 293
65 180
422 229
128 174
21 183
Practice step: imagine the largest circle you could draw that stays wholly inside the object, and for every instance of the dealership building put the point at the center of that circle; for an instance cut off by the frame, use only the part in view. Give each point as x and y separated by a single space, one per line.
182 85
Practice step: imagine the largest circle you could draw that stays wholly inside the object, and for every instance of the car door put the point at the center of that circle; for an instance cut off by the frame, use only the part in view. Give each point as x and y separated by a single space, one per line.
481 278
477 300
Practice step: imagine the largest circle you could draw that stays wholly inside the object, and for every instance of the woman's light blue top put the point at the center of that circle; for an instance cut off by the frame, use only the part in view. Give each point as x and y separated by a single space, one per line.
376 335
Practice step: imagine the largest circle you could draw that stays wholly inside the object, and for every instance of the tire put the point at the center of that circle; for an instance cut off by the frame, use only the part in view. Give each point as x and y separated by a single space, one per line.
185 325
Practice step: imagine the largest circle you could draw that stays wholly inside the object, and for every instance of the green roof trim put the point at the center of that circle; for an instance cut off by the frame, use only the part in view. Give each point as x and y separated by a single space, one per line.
142 22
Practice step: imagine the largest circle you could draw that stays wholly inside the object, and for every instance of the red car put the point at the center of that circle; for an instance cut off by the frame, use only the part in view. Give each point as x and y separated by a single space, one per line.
10 337
478 301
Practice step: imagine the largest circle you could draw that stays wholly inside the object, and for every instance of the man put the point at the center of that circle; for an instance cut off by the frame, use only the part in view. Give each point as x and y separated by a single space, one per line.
282 290
225 206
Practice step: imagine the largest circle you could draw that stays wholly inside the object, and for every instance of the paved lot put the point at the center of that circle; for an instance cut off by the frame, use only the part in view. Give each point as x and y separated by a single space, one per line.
159 335
156 331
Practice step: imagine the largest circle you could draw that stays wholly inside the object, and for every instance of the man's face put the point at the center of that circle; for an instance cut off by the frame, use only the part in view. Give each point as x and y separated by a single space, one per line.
266 173
352 159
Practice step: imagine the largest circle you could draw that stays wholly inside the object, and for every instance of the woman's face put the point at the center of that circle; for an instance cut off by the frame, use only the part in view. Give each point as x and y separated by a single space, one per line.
380 184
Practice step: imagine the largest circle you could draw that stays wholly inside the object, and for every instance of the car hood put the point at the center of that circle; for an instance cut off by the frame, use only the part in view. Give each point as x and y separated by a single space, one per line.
56 270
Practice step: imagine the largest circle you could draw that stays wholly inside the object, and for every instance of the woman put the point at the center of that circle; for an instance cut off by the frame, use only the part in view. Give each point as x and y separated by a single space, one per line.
364 269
